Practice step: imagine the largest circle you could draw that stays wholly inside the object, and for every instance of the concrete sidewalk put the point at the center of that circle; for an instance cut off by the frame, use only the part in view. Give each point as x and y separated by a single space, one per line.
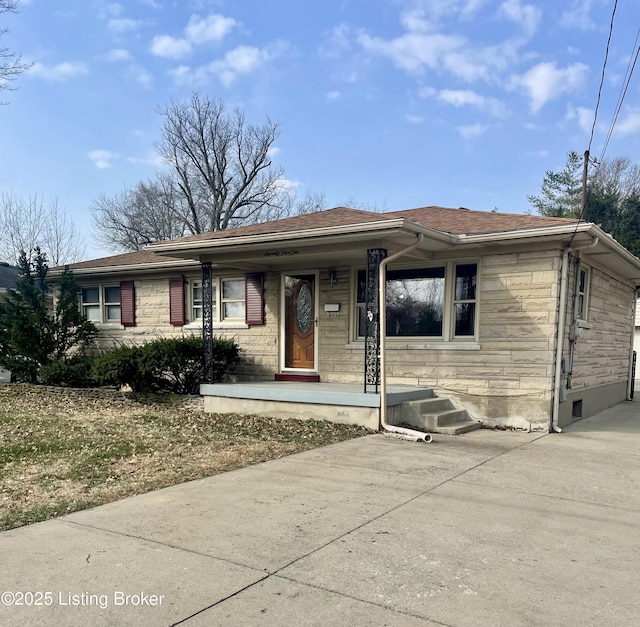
488 528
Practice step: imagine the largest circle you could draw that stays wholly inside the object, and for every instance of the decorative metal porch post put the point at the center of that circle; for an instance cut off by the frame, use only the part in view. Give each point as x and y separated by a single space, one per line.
207 322
372 308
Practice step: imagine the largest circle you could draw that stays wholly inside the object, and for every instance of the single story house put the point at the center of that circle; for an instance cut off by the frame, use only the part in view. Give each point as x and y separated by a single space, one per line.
8 278
518 320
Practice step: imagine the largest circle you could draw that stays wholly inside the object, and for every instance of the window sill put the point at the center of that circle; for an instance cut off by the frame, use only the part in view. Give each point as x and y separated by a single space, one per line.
584 324
197 326
417 345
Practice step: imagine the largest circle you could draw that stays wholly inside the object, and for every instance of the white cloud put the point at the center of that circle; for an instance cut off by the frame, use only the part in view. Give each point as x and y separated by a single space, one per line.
273 151
628 124
584 117
118 54
336 43
198 31
101 158
152 159
123 25
542 154
60 72
545 82
525 15
470 131
414 119
333 95
170 47
577 16
241 61
465 97
211 28
114 8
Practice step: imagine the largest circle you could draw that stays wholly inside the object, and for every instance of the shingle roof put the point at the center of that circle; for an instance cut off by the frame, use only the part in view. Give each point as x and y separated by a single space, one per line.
457 221
124 259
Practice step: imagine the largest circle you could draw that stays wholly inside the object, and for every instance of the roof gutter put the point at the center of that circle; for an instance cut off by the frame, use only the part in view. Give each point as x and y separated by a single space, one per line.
131 267
409 434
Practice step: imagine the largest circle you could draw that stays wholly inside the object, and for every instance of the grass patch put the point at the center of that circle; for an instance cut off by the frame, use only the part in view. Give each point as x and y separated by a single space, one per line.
61 452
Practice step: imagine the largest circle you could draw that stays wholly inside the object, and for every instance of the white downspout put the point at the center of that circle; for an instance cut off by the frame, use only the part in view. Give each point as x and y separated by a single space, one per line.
633 334
562 315
409 434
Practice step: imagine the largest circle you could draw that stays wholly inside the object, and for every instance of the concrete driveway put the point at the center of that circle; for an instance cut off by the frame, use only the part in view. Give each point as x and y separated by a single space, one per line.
488 528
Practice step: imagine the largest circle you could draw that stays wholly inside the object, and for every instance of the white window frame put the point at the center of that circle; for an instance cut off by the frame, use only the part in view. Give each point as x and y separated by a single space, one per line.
102 303
583 292
195 305
448 316
222 301
218 301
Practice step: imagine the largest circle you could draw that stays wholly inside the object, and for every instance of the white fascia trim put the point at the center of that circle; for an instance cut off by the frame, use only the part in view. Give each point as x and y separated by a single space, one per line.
545 231
139 268
367 228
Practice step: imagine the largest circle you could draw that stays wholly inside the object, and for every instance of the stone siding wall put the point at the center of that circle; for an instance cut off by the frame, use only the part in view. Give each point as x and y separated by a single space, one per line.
602 351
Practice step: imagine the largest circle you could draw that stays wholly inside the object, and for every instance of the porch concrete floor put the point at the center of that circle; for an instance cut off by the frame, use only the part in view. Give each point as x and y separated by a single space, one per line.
345 394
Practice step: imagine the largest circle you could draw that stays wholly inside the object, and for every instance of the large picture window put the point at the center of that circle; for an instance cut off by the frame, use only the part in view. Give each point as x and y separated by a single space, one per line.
437 302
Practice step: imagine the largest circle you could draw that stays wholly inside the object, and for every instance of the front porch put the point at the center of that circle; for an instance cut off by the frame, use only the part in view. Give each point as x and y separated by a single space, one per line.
345 403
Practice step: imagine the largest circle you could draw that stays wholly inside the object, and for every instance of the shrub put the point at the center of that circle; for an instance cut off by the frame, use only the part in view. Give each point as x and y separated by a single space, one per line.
75 371
165 365
120 366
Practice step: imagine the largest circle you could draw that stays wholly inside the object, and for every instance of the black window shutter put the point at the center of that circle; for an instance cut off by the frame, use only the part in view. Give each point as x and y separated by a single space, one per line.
176 301
127 304
254 298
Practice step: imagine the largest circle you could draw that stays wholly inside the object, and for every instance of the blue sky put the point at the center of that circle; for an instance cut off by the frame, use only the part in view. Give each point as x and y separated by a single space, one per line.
392 103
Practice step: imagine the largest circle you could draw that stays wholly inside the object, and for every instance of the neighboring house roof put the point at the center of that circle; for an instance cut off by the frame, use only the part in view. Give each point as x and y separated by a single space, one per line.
8 276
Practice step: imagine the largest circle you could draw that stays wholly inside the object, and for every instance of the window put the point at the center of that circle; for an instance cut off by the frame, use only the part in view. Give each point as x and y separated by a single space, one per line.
464 300
101 303
196 301
112 304
415 302
228 300
91 309
420 303
583 293
232 301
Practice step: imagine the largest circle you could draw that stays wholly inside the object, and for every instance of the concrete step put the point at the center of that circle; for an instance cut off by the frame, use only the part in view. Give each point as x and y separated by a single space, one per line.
459 427
433 405
437 415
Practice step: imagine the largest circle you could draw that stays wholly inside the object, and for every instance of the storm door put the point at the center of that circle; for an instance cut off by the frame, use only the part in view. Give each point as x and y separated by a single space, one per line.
300 321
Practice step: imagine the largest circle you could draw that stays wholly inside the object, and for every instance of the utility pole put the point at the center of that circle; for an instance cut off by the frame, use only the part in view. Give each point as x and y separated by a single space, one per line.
583 197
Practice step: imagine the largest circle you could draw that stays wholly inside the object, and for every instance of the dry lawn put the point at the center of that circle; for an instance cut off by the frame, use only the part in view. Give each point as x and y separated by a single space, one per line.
66 450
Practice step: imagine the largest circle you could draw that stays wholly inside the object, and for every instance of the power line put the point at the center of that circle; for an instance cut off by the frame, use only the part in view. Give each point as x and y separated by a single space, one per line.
604 65
623 92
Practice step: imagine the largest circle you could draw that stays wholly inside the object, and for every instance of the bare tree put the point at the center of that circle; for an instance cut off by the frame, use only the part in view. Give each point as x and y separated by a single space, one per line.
151 211
11 65
29 223
221 164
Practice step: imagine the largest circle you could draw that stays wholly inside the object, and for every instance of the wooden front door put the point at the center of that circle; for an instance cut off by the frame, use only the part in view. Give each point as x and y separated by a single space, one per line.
300 321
